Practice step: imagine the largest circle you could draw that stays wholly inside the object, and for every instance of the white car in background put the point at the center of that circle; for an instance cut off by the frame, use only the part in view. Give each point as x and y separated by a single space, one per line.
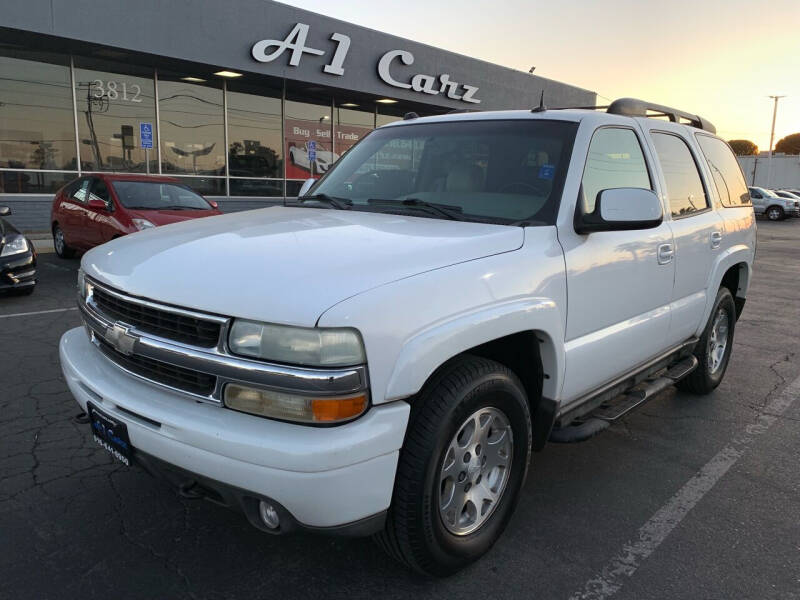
769 203
298 156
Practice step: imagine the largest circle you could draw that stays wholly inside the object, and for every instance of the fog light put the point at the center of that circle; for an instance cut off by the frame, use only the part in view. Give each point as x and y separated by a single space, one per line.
269 515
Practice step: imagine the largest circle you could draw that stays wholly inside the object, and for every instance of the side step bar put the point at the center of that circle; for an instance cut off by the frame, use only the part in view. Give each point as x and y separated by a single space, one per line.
611 410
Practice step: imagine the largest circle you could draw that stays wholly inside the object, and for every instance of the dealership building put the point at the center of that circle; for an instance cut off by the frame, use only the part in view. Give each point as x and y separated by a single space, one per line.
242 100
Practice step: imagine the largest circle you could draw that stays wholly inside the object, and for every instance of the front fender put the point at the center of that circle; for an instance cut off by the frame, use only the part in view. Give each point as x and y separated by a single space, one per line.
434 346
412 326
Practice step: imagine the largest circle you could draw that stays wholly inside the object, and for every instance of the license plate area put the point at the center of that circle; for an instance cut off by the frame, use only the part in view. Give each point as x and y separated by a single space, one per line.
110 433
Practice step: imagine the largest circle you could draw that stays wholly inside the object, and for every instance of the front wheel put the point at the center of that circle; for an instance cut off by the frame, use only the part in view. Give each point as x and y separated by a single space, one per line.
461 468
713 351
775 213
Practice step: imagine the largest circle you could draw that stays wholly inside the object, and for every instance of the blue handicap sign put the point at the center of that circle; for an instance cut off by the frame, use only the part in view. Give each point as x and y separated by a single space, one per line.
312 150
547 171
146 134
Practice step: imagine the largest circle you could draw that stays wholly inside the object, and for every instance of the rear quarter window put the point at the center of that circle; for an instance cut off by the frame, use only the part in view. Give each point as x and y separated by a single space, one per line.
728 178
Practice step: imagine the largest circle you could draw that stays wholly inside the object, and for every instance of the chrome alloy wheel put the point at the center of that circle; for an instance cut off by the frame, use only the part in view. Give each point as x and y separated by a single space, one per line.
59 241
774 214
475 471
717 341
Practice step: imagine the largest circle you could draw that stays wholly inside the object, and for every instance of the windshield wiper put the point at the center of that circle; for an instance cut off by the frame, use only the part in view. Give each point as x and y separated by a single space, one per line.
340 203
448 211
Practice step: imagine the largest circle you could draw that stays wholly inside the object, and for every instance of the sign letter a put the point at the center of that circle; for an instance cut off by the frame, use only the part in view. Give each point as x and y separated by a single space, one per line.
295 41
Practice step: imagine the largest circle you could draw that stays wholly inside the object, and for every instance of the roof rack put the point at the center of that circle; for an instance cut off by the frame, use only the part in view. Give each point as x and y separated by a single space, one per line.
633 107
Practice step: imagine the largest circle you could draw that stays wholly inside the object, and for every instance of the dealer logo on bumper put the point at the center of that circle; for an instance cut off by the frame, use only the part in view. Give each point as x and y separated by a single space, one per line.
122 341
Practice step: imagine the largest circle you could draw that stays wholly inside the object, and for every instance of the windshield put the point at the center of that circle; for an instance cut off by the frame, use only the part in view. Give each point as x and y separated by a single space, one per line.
491 171
152 195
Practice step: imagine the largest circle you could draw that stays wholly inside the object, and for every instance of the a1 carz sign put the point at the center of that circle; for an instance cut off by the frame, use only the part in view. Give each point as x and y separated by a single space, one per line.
268 50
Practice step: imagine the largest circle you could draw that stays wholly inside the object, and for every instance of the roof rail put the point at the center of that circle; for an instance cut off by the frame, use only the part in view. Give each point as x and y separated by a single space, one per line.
633 107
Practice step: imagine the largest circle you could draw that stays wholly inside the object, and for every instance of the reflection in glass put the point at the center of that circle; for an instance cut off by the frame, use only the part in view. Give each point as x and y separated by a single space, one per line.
192 128
350 126
254 135
684 186
256 187
207 186
615 160
37 130
111 107
308 133
33 182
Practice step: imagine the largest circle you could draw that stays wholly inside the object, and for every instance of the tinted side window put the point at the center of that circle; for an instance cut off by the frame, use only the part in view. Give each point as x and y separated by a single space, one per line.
726 171
684 186
615 161
80 192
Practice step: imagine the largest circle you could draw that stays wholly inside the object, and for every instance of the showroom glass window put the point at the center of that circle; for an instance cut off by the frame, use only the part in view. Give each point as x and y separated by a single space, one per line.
350 125
255 155
37 129
307 119
113 100
192 126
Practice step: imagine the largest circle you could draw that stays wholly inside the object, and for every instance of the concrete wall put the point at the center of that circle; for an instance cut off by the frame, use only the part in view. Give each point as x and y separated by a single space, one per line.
32 213
785 171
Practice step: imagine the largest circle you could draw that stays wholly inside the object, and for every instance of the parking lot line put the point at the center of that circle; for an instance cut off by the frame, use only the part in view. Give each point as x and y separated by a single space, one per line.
37 312
661 524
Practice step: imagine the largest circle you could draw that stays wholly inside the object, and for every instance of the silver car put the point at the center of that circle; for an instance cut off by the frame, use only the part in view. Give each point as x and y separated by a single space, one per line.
767 202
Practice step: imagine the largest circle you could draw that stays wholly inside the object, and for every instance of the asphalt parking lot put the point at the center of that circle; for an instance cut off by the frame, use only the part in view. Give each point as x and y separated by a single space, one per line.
687 498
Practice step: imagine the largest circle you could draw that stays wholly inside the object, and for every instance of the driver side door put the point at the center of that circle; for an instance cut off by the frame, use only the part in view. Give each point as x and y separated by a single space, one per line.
619 283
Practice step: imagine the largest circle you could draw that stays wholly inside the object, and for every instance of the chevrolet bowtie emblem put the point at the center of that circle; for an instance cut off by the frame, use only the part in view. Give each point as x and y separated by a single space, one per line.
120 339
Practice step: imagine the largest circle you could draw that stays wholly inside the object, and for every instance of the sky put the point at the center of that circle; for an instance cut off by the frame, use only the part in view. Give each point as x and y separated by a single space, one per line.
718 59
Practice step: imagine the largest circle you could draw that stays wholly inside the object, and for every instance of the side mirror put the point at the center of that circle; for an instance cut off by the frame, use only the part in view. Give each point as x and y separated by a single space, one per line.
4 211
213 203
620 209
97 204
306 186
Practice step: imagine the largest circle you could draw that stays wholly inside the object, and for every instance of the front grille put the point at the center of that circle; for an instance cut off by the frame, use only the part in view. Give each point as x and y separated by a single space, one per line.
180 378
165 324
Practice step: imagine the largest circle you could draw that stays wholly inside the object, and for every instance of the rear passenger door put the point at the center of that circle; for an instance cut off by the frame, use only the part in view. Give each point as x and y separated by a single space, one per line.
72 213
697 228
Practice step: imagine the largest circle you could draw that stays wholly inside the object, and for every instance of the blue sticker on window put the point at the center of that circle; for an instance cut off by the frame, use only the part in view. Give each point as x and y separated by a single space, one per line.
547 172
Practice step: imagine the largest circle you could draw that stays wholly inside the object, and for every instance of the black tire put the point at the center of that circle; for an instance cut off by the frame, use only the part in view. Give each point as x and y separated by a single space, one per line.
415 533
704 379
775 213
62 250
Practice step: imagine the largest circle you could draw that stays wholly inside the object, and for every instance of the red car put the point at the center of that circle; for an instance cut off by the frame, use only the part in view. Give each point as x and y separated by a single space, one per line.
94 209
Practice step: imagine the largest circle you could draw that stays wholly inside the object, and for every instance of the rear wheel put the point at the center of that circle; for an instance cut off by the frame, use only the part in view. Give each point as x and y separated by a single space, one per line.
713 351
775 213
461 468
60 244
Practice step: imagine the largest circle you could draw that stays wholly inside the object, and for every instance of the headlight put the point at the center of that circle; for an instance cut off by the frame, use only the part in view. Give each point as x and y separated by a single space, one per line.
142 224
292 407
83 284
16 244
319 347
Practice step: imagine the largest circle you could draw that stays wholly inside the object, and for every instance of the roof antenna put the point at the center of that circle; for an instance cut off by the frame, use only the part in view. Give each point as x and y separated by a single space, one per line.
541 107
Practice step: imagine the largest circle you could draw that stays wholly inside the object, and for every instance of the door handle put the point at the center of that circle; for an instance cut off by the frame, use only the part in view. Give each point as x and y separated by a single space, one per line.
665 254
716 239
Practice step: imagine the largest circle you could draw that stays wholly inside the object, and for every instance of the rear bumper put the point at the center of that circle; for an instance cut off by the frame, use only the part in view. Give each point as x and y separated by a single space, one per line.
322 477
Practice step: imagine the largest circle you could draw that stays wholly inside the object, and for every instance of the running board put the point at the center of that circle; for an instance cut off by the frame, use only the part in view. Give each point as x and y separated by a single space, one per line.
615 408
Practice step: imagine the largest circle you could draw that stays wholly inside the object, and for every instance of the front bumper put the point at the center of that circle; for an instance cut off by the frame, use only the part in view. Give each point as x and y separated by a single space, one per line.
18 271
325 478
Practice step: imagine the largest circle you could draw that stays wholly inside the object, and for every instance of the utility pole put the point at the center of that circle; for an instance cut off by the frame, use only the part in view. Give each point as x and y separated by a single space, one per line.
771 139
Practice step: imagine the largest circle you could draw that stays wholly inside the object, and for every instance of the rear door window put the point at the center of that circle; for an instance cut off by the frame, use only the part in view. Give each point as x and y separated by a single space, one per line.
81 193
725 169
684 185
99 191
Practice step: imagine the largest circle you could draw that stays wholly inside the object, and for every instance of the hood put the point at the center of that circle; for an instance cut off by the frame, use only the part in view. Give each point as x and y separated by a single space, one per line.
165 217
285 264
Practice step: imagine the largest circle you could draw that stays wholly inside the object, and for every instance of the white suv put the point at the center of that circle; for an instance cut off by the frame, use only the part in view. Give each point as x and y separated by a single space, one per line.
383 356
